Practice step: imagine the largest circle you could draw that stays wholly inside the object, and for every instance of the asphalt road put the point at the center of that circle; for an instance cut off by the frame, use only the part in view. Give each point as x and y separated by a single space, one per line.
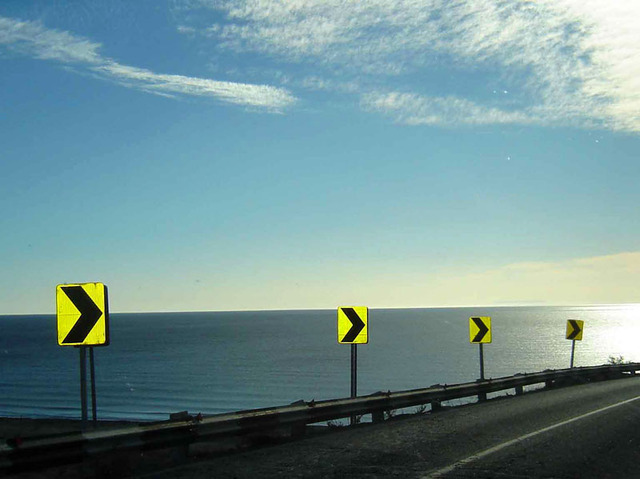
586 431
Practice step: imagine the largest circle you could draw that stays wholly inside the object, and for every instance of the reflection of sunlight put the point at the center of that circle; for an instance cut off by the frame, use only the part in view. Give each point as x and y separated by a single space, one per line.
626 308
633 308
621 343
618 334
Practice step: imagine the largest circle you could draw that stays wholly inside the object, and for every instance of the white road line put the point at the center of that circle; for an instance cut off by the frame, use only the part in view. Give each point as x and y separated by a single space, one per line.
499 447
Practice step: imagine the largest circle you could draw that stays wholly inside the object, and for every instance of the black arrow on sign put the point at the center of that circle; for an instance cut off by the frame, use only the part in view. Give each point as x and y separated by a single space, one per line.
482 330
357 325
576 329
89 314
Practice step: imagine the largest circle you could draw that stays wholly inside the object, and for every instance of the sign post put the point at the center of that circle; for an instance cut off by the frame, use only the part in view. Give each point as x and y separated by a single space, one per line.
575 328
83 384
480 333
92 368
354 370
82 314
353 330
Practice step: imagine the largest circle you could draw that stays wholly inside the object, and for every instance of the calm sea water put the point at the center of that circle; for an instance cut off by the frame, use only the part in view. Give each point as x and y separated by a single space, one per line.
220 362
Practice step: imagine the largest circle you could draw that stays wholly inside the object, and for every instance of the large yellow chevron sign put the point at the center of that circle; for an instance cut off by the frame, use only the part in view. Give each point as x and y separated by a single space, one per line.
480 329
82 314
352 325
575 328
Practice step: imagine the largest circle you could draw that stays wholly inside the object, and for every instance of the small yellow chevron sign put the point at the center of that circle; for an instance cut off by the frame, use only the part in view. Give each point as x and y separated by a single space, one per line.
480 329
575 328
82 314
352 325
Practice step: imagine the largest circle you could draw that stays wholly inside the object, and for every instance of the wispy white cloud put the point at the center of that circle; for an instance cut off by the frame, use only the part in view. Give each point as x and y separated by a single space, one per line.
574 61
315 82
239 93
34 40
611 39
185 29
414 109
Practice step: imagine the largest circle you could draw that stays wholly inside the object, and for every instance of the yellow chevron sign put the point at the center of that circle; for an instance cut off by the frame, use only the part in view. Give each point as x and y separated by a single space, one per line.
480 329
82 314
575 328
352 325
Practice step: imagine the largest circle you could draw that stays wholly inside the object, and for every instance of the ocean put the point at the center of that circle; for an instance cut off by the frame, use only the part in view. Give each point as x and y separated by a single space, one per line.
216 362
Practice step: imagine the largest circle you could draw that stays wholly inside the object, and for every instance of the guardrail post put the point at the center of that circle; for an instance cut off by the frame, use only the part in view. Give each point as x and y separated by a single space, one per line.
377 416
519 390
436 405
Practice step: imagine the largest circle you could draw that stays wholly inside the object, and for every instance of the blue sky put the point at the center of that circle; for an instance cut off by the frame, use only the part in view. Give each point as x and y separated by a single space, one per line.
258 154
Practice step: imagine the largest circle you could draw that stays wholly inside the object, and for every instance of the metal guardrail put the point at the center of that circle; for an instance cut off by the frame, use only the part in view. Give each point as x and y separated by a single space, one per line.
41 452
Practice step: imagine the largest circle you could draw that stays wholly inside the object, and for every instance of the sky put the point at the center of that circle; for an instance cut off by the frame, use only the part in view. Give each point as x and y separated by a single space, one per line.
261 154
